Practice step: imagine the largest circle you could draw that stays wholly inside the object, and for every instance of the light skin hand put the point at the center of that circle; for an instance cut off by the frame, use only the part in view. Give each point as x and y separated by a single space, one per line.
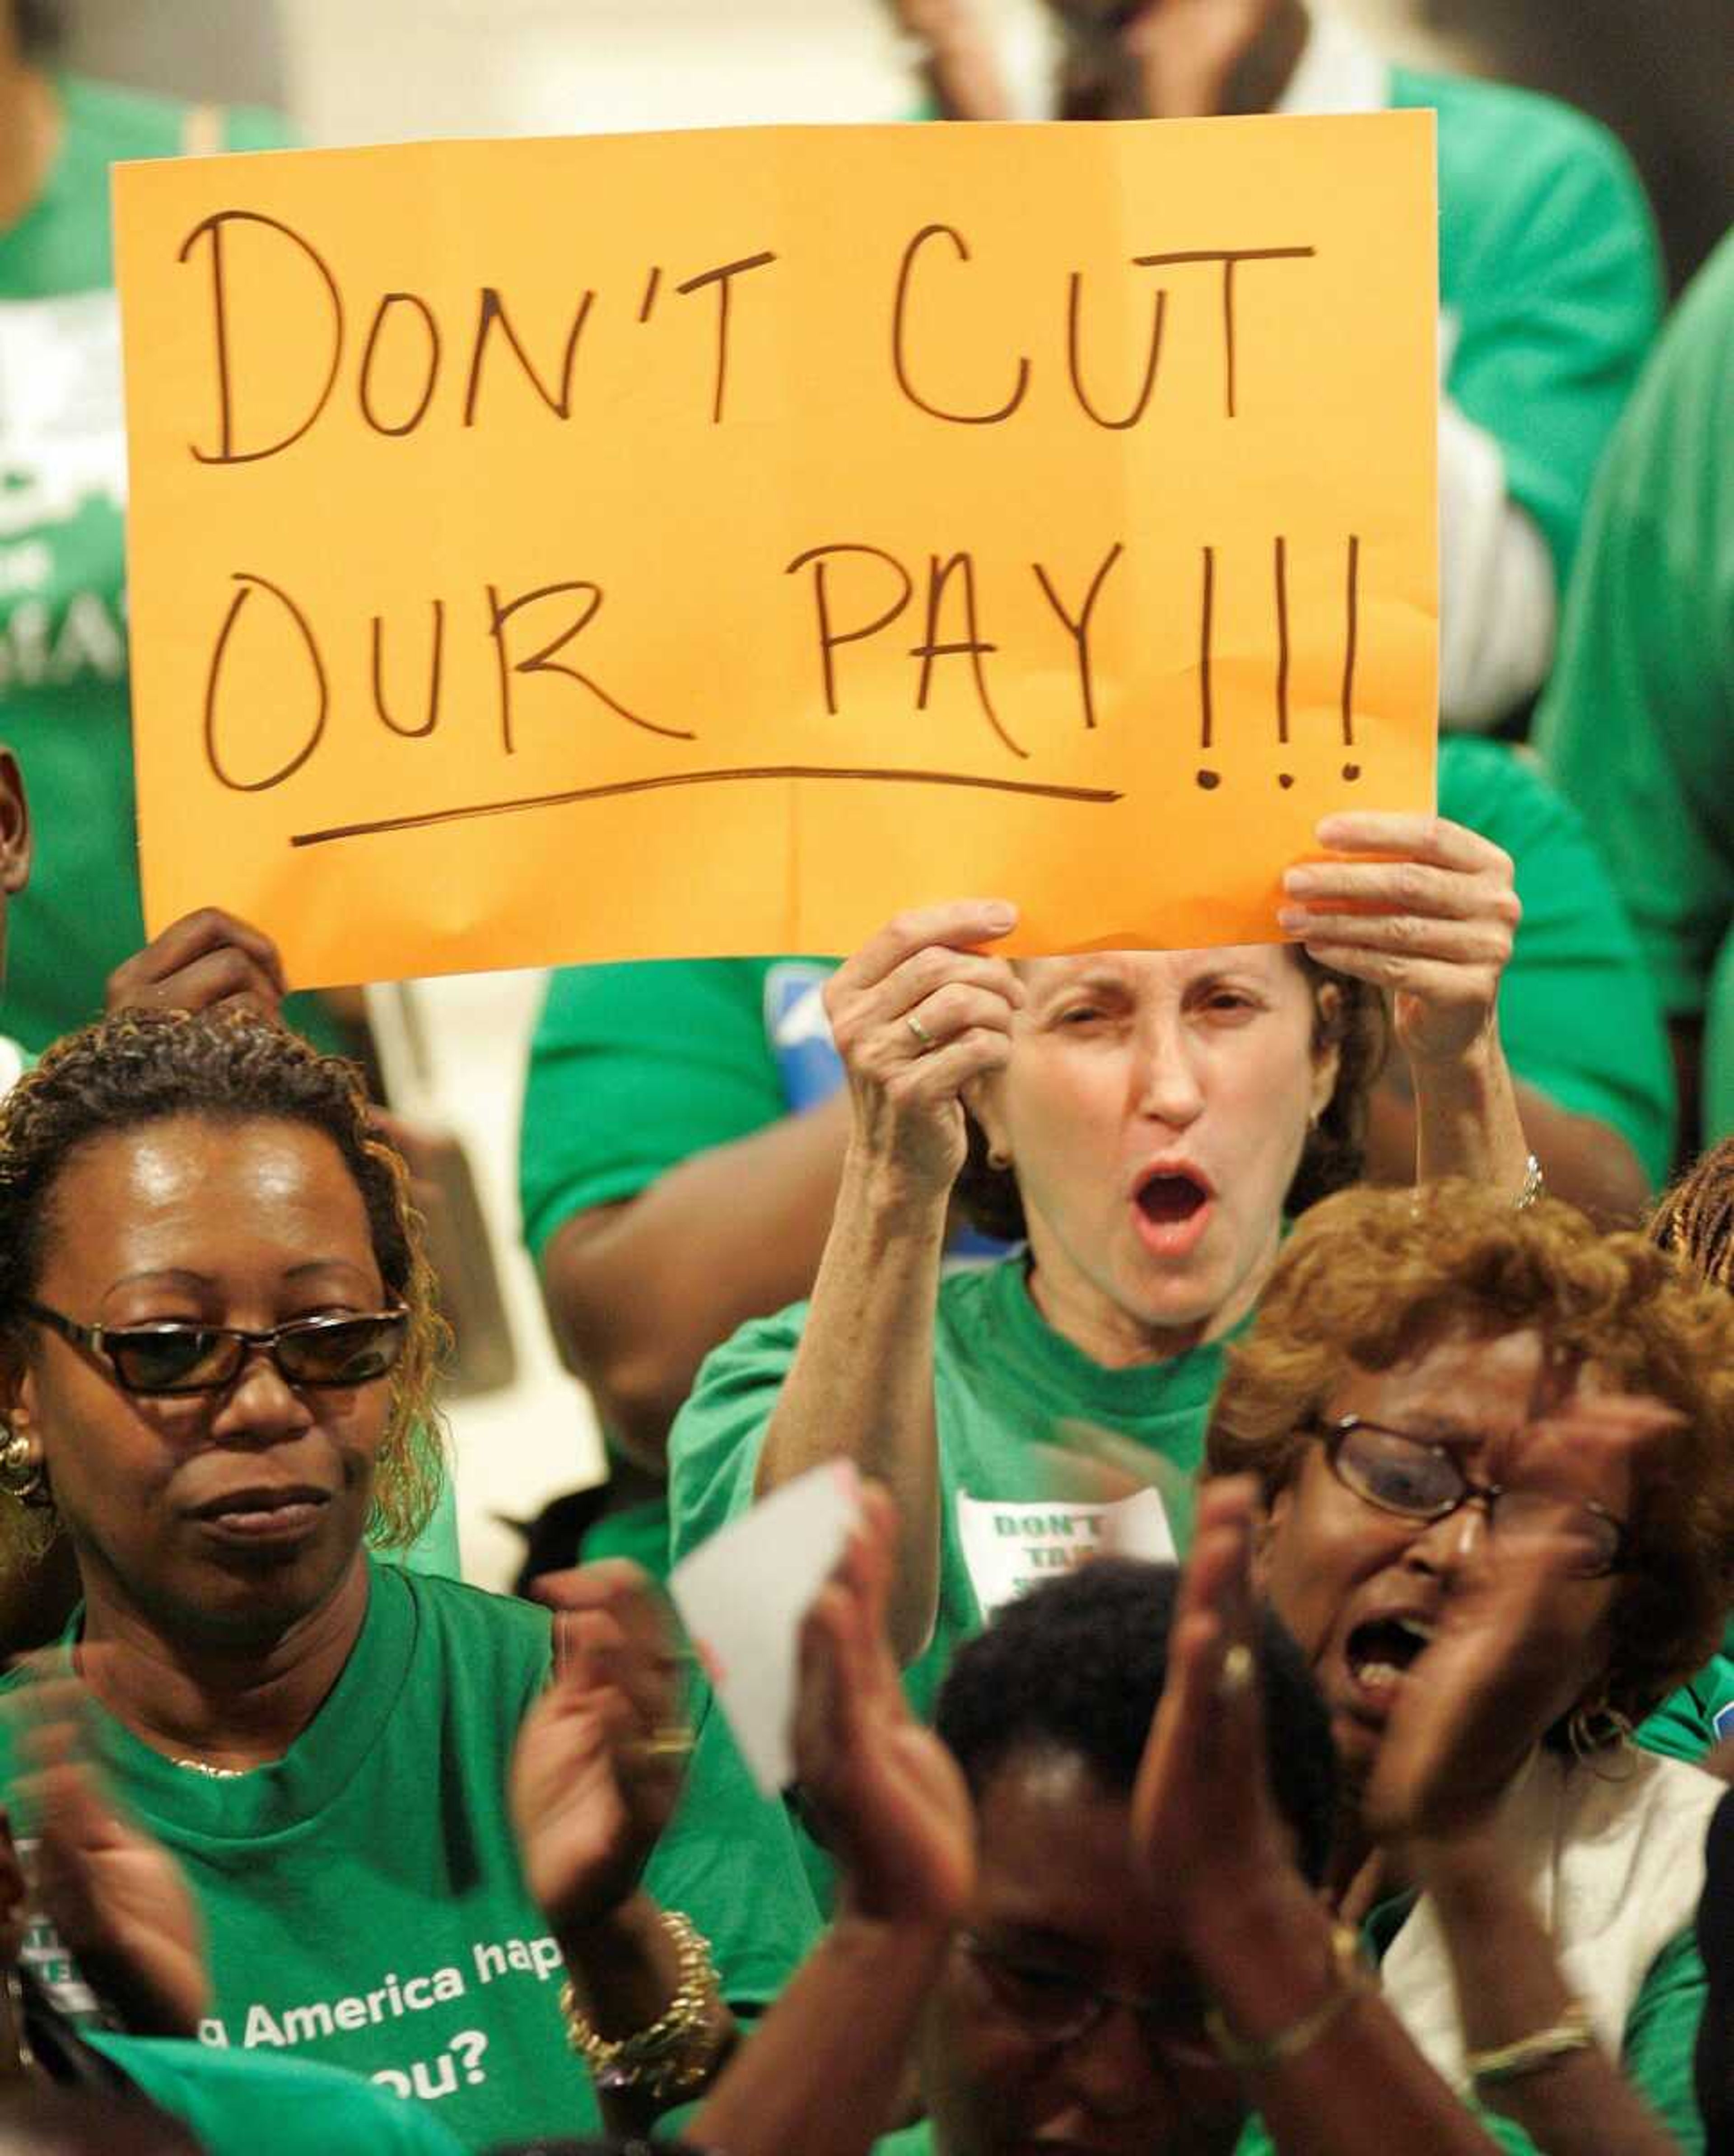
205 961
918 1015
1437 932
116 1898
1190 53
889 1797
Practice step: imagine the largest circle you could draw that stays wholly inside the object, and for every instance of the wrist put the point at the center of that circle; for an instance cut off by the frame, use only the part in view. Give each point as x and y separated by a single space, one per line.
632 1929
1263 1920
893 1201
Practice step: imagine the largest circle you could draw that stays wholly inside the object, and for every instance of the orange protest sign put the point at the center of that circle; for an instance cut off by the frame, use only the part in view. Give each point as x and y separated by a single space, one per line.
711 543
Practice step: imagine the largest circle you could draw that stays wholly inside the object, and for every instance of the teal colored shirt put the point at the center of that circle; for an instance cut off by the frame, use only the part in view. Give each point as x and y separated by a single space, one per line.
240 2104
1550 285
363 1900
1638 724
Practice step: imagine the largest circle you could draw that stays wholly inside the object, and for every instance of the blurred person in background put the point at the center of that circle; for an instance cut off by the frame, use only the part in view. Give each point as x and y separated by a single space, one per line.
1638 724
1549 280
64 681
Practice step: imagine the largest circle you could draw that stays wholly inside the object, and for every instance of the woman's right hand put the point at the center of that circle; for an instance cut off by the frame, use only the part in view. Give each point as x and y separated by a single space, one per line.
116 1898
918 1014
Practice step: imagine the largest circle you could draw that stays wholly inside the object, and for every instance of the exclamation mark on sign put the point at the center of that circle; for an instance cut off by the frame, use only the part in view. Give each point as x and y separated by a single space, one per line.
1207 778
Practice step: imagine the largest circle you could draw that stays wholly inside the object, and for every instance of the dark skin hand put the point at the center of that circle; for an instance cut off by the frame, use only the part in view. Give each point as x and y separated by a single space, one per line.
114 1895
205 961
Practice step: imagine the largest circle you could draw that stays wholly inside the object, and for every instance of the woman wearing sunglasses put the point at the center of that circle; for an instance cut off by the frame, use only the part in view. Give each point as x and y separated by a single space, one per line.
218 1341
1433 1378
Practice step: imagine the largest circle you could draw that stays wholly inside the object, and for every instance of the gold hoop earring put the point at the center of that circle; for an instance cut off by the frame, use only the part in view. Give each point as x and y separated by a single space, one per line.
1595 1731
22 1477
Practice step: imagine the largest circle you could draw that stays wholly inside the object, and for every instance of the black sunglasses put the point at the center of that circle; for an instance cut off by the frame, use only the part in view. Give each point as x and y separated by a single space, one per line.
180 1358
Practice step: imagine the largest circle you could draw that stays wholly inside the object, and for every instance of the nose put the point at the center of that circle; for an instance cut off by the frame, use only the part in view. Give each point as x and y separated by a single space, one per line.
1446 1546
1110 2073
260 1405
1165 1085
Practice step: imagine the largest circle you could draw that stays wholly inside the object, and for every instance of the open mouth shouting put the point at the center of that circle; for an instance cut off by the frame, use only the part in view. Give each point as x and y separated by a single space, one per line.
1379 1653
1171 1205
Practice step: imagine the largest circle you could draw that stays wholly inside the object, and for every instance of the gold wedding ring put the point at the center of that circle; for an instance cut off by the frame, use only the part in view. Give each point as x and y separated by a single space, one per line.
669 1740
1237 1672
919 1031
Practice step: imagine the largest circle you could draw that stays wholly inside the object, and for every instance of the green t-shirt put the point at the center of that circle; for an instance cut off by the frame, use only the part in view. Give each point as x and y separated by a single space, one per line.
227 2098
1638 724
64 693
1550 284
1006 1386
363 1895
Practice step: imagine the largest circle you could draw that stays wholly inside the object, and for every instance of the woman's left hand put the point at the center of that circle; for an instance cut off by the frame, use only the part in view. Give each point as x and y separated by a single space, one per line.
602 1755
1205 1830
1432 921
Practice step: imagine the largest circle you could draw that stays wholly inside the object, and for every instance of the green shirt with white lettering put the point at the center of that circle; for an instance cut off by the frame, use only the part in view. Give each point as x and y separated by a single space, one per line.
363 1895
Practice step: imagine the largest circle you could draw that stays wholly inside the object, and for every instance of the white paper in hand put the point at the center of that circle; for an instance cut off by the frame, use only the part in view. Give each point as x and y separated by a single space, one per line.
743 1596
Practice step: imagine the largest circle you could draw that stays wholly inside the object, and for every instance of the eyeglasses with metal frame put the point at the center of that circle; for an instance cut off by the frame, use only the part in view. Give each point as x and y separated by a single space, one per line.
1419 1479
1060 2009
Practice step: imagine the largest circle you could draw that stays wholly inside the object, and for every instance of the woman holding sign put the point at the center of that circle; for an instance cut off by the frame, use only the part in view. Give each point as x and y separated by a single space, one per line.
1147 1120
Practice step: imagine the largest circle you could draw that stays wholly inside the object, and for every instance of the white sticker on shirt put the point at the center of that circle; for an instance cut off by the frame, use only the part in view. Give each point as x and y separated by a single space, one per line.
62 429
1010 1548
44 1952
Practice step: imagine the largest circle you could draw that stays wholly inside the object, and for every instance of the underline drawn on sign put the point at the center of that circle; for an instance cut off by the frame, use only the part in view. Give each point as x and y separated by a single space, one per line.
1094 796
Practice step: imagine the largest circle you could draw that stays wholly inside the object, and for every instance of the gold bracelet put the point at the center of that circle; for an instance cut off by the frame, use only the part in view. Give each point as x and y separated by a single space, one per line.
1532 1187
673 2058
1251 2054
1530 2054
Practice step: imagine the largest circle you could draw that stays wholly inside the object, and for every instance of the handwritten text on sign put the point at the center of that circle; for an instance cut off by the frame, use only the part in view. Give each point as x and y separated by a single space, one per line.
711 544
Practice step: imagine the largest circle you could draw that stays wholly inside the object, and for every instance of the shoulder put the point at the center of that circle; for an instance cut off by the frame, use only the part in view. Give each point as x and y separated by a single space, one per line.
123 122
467 1628
222 2095
1479 119
1502 791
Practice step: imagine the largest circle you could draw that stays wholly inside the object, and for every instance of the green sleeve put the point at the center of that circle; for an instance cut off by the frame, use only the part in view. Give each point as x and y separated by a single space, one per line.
634 1068
713 1446
1695 1719
1550 268
1577 1014
1637 723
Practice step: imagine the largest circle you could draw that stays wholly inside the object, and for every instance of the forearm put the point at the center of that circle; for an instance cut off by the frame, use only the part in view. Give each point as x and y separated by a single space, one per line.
1467 1118
861 1384
1583 1159
1508 1986
822 2074
624 1971
1266 1959
641 1292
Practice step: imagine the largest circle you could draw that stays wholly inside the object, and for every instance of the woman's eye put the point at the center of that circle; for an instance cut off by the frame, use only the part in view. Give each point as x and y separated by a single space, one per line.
1081 1015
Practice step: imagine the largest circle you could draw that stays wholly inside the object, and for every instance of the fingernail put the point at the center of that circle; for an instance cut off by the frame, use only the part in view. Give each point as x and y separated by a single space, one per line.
1299 881
1294 918
1000 917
